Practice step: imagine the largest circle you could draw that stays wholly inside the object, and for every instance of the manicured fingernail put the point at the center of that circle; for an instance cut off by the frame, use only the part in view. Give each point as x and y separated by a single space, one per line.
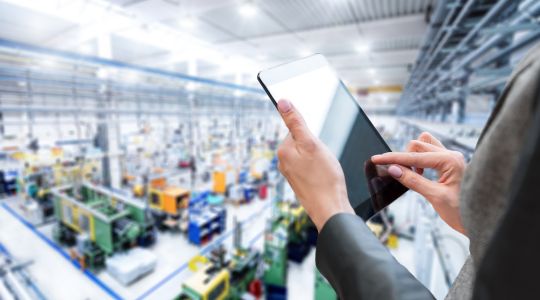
375 156
284 105
395 171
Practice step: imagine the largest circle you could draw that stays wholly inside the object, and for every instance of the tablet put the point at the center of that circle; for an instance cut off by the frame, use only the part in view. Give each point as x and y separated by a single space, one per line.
332 114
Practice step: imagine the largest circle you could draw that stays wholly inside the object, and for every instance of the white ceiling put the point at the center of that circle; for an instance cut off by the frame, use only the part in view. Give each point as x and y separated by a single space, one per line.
229 45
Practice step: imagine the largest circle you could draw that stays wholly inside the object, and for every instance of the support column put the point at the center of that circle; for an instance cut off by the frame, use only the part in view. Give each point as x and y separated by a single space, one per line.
192 71
107 131
458 110
2 131
461 111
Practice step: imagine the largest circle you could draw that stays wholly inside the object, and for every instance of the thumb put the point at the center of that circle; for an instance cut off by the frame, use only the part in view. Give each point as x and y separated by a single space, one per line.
293 120
413 180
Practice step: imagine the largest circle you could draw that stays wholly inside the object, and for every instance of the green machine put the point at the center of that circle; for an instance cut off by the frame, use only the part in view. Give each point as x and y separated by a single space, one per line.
275 254
286 239
323 289
221 277
243 268
99 222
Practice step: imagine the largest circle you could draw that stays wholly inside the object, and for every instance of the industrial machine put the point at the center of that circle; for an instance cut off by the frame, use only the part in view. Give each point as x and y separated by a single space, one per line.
99 223
169 205
209 282
205 220
286 238
37 187
9 171
222 278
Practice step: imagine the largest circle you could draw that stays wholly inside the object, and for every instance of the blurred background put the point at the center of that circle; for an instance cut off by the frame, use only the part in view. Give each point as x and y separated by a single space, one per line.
137 151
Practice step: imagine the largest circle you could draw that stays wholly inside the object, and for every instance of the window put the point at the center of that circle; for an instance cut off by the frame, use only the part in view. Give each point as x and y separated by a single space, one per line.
154 199
84 223
68 214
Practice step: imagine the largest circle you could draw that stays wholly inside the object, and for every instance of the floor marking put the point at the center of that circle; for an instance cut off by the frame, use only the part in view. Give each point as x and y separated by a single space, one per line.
53 245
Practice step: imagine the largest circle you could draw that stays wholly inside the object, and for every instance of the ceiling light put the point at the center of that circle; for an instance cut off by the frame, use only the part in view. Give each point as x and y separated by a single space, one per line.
377 81
362 48
48 62
191 86
305 52
86 49
372 71
248 10
187 22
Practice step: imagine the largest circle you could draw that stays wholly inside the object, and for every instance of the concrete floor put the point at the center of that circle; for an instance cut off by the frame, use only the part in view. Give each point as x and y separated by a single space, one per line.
58 278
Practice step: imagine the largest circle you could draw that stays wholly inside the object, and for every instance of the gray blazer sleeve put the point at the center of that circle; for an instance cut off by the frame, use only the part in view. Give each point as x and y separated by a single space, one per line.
358 266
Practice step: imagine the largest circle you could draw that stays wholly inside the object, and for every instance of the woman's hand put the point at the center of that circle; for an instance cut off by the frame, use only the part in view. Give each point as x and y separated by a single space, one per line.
428 152
313 172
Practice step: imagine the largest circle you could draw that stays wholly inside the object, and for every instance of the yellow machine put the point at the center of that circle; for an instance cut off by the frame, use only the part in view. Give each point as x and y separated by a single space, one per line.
169 199
219 179
297 215
207 285
138 190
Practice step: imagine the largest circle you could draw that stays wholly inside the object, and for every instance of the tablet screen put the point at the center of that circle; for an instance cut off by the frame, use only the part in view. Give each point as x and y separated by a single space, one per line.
332 113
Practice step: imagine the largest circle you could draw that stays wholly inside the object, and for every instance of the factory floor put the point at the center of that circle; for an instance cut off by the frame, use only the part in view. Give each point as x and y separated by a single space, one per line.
58 278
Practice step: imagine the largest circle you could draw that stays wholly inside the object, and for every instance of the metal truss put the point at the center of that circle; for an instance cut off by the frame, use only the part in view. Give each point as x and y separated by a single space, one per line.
467 51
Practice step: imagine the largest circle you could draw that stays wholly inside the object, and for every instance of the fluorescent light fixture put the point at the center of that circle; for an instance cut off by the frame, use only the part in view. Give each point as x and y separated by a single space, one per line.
362 48
248 10
98 18
86 49
131 76
305 52
187 22
48 62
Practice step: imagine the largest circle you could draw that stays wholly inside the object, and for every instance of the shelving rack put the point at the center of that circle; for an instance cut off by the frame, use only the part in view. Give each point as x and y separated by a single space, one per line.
205 220
468 50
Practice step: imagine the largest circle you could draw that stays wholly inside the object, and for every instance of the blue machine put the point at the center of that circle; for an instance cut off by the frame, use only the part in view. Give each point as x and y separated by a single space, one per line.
249 192
205 220
8 182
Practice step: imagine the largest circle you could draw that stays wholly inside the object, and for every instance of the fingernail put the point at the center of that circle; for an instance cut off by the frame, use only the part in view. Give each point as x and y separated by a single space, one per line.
284 105
395 171
375 156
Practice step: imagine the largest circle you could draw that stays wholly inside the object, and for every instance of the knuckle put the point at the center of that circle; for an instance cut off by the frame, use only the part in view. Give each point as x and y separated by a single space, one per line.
295 122
458 158
412 145
409 180
310 145
424 136
282 153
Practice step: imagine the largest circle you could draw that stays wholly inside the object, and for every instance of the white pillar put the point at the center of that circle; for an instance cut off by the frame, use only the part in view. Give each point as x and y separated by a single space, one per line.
111 162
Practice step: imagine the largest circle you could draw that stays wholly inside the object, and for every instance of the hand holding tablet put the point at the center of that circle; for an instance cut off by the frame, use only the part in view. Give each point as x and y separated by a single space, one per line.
332 115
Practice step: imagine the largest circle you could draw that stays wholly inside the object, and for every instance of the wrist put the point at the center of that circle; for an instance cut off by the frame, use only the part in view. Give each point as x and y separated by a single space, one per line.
320 219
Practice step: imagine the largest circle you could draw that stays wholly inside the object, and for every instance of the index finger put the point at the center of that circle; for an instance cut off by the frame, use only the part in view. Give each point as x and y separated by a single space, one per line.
429 138
410 159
